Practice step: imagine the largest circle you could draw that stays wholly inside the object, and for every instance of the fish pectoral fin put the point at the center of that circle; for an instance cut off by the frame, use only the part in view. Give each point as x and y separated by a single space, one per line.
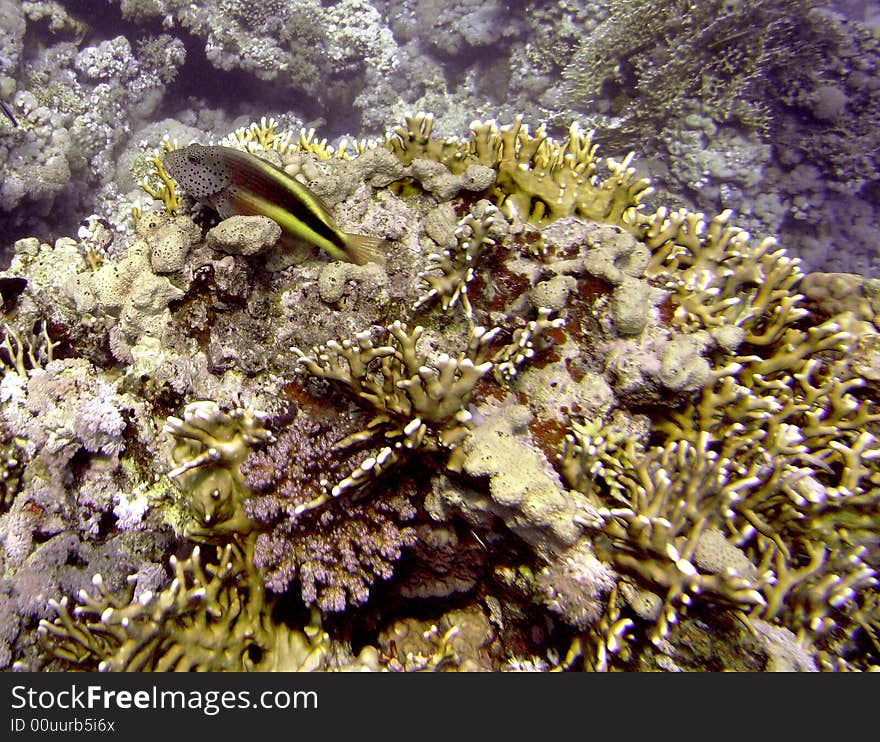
224 204
363 249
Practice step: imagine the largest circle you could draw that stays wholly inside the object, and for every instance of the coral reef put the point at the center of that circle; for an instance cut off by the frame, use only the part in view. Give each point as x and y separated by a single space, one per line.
609 432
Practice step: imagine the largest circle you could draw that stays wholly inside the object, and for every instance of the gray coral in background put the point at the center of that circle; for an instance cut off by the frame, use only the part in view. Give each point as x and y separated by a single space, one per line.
77 104
301 44
768 108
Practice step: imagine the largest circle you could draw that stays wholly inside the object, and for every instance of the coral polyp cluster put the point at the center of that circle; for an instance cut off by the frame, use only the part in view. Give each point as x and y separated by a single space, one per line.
546 407
335 550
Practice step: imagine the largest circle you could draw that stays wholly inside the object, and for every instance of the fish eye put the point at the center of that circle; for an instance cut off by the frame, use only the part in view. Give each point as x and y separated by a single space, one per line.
193 159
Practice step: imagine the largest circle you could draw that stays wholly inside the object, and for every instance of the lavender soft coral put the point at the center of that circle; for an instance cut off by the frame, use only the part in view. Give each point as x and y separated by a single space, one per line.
338 550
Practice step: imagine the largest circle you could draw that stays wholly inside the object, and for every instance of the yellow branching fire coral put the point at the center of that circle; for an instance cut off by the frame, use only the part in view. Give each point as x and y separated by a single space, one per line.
539 179
263 136
420 402
214 616
209 446
525 344
20 354
259 136
779 452
159 184
722 279
448 273
594 451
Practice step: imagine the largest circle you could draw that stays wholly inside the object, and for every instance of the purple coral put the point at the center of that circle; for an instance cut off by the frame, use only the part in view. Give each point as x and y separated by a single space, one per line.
99 423
10 623
16 535
337 550
576 584
289 472
62 408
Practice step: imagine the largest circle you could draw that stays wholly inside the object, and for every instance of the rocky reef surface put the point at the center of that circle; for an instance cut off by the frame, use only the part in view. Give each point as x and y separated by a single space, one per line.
569 421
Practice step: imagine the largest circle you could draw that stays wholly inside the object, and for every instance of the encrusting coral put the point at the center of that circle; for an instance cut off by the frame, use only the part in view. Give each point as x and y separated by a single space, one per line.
713 453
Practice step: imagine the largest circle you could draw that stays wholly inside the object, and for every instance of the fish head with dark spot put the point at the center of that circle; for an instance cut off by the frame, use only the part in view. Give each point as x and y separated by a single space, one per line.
201 171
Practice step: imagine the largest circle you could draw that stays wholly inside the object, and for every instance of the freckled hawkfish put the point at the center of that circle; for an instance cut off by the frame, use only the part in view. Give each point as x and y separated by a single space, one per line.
233 182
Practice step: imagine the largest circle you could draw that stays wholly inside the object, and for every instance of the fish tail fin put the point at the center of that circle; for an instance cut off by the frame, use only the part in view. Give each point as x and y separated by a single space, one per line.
363 249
